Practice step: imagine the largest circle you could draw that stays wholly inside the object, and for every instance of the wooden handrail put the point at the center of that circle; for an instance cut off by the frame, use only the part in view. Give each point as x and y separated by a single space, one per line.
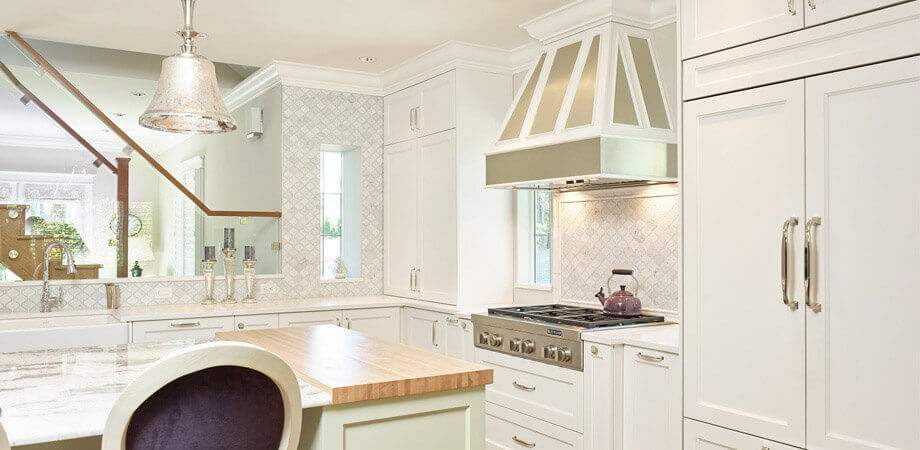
41 61
57 119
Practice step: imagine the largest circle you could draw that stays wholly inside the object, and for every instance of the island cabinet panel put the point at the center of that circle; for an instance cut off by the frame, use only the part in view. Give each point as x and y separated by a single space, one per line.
381 323
170 330
310 318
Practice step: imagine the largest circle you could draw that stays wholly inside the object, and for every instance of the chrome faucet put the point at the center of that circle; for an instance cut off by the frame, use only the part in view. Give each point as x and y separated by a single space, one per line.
48 301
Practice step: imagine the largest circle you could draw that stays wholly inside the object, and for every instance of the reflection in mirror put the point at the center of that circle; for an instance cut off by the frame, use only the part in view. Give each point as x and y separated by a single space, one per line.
340 189
64 192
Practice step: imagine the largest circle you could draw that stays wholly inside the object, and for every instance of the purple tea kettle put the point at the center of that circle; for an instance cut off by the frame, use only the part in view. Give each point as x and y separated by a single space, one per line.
621 303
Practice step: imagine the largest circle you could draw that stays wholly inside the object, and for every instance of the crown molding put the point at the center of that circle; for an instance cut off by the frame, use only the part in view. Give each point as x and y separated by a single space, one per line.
523 57
443 58
329 78
581 15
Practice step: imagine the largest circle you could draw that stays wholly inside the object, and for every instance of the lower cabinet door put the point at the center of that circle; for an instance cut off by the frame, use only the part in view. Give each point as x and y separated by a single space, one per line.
256 322
424 329
458 338
306 319
509 429
170 330
381 323
651 399
703 436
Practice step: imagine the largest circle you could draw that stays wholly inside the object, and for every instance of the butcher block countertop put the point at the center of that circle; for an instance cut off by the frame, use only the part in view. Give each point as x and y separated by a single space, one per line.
353 367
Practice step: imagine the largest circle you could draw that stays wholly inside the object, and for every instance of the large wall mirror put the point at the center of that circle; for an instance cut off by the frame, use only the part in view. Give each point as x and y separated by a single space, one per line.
53 188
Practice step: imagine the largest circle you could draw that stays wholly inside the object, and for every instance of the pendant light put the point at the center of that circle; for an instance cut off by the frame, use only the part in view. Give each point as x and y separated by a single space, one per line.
188 98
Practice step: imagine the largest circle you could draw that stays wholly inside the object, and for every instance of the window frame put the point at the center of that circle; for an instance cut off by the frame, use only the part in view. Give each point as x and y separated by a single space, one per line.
525 250
322 210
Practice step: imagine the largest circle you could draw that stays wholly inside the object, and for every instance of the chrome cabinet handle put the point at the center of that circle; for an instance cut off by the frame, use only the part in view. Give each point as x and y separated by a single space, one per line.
411 125
784 262
809 244
812 5
434 333
650 357
522 443
791 5
348 323
522 387
418 113
411 274
184 324
452 320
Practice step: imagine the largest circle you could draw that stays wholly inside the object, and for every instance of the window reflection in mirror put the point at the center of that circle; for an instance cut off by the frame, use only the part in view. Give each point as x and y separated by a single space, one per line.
340 227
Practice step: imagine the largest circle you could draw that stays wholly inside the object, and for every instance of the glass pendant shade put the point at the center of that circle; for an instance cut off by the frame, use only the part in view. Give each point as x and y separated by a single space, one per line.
188 98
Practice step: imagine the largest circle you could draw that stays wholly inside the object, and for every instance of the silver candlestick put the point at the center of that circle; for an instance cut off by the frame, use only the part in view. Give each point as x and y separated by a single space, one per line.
250 273
208 282
229 271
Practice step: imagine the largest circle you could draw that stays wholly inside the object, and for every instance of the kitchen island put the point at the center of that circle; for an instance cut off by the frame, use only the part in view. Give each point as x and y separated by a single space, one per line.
377 394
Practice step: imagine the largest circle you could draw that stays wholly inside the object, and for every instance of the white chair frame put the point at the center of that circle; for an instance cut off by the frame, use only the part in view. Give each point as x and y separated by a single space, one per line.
194 359
4 441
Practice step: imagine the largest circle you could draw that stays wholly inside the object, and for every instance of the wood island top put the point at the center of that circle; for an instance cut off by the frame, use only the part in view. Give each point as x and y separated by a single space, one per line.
354 367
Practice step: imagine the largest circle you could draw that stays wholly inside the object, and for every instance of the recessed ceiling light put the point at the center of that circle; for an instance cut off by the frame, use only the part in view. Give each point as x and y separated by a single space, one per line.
138 94
367 59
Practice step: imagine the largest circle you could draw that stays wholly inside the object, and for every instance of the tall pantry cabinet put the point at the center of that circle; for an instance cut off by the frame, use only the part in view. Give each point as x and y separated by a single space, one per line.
446 239
801 204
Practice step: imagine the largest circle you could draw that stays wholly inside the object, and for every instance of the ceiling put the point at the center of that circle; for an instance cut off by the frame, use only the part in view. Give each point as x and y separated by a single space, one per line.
327 33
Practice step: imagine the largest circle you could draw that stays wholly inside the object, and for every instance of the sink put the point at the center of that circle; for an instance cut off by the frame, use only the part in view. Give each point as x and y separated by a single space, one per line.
41 332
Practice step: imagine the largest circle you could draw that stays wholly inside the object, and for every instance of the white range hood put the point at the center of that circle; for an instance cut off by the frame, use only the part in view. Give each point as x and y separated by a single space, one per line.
593 111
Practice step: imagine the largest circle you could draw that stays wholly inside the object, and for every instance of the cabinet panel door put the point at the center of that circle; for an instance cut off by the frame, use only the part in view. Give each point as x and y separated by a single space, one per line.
397 115
381 323
651 399
400 227
423 329
437 280
703 436
458 338
744 176
820 11
863 345
711 25
436 104
306 319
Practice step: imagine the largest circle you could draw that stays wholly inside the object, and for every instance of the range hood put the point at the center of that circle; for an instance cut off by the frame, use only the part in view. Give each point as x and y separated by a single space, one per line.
592 112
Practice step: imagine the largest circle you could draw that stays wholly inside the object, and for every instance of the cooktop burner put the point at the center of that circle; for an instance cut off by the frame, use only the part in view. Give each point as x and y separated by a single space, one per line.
572 315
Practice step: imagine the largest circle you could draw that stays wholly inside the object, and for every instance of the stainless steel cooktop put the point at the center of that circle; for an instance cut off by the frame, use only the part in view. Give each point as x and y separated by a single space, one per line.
546 333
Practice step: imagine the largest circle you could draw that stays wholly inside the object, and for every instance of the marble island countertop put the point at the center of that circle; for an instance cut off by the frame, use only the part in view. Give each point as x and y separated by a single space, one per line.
52 395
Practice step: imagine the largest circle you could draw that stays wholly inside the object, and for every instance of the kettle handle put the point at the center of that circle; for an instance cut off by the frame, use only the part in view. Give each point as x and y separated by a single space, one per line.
616 272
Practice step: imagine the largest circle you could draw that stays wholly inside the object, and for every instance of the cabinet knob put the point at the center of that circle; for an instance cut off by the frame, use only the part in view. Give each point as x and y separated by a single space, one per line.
594 350
240 325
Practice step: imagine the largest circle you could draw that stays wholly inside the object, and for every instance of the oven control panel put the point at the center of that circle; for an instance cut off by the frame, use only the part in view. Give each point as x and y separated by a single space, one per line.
547 348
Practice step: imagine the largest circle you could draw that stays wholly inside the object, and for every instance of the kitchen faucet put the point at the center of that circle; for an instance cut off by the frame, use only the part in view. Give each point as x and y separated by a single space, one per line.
49 301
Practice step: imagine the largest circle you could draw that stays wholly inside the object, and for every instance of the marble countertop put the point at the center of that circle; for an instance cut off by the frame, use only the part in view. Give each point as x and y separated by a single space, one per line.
52 395
665 338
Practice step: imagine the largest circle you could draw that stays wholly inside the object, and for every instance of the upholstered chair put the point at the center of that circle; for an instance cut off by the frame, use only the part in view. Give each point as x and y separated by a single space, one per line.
219 395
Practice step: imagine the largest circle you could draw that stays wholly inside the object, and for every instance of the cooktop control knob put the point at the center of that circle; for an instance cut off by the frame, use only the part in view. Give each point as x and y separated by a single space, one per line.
549 352
515 345
527 346
564 355
484 338
495 340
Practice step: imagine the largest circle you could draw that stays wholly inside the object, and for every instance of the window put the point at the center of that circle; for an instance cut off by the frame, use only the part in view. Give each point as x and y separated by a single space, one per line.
340 192
534 237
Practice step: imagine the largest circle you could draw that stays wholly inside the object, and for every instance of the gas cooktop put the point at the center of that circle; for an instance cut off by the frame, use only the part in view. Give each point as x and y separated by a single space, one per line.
572 315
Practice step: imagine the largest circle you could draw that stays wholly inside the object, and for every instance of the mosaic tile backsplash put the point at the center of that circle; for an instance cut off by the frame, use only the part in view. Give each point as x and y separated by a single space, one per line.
628 233
310 118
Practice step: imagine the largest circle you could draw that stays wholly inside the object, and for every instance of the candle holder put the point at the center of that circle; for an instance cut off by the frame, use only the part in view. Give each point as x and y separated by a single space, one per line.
208 282
229 271
250 272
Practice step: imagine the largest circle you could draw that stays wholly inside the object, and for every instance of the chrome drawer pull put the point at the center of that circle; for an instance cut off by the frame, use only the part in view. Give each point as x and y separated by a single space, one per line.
650 357
184 324
809 249
522 443
784 263
522 387
790 4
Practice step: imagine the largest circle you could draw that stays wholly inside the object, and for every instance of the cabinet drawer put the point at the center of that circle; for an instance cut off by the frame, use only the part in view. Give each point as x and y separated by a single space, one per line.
507 429
703 436
256 322
305 319
549 393
168 330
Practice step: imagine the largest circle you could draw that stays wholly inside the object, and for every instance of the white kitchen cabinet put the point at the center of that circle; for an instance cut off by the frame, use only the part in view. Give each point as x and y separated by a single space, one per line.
703 436
651 399
820 11
170 330
603 372
438 220
744 349
458 338
401 217
310 318
507 429
711 25
381 323
862 152
255 322
424 329
420 110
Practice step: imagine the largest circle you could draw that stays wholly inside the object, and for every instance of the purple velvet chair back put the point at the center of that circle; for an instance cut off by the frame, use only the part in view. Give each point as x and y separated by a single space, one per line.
223 407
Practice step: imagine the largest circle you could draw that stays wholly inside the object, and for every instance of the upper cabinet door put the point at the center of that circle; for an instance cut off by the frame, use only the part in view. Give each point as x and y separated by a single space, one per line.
744 177
400 226
863 340
711 25
399 115
820 11
437 279
436 111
